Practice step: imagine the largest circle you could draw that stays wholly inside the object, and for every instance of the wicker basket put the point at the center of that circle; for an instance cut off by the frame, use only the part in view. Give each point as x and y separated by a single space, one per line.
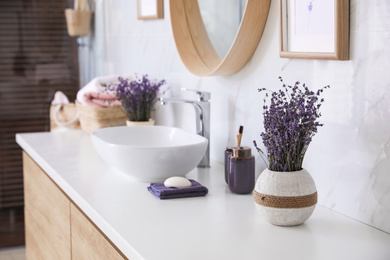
64 116
92 118
78 22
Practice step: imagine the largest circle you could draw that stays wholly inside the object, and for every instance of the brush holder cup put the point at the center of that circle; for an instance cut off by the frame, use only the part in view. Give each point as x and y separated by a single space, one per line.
241 171
228 152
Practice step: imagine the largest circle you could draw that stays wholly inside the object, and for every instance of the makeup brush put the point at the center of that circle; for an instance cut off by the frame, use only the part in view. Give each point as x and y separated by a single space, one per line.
239 136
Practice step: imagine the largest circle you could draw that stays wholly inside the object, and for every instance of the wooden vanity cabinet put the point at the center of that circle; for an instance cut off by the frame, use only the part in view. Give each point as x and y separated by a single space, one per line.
87 241
47 211
55 227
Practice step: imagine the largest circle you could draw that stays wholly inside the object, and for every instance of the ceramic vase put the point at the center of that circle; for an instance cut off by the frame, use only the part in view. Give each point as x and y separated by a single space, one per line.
138 123
285 198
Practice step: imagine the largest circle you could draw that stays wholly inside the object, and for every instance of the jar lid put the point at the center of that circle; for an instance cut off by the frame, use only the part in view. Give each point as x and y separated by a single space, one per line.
242 152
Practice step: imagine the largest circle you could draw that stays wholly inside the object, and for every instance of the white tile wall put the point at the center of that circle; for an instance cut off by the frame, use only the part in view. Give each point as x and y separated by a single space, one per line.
349 157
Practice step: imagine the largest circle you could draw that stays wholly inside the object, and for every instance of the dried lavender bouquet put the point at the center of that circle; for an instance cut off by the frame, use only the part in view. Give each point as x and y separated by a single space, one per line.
290 122
137 96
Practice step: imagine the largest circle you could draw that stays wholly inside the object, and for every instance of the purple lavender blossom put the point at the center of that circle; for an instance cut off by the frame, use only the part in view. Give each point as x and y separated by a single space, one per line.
290 122
137 96
310 7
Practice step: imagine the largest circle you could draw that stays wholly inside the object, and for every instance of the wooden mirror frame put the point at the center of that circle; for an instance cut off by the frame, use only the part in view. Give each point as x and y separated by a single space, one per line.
195 48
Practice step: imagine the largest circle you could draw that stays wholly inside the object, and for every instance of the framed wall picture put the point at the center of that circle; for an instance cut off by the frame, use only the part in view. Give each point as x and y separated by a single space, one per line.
314 29
150 9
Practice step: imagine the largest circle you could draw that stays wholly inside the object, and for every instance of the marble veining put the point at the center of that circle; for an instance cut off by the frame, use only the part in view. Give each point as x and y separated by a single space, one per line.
349 157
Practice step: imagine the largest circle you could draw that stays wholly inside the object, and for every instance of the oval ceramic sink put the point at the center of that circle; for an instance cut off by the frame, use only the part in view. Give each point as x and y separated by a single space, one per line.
149 153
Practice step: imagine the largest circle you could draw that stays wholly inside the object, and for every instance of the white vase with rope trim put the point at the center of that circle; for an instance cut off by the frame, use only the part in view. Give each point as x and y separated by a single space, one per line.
285 198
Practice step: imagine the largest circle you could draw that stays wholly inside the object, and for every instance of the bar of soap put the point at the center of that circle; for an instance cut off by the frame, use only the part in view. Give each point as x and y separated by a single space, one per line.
177 182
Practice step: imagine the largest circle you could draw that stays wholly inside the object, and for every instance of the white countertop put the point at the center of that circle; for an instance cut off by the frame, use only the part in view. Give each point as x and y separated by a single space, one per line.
221 225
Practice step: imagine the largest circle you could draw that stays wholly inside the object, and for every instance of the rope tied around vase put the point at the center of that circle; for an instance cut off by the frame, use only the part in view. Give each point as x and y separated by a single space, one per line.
285 202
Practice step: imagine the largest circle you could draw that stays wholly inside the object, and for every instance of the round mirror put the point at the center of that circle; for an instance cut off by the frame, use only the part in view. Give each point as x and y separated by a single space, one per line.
222 18
195 47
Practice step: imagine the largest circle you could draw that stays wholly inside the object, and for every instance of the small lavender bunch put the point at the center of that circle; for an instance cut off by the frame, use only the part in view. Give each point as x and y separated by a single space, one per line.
137 96
290 122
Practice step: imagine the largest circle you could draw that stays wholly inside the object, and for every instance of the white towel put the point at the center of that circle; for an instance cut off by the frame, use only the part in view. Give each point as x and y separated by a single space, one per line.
60 98
96 94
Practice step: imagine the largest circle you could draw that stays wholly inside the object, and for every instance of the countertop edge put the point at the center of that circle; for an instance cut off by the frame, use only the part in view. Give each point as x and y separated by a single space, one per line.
108 231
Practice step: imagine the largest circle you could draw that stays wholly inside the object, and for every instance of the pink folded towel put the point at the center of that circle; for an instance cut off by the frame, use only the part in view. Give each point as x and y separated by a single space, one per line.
96 94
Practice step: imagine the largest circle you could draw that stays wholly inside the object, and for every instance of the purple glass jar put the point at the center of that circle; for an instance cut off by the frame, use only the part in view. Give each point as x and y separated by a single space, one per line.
228 152
241 172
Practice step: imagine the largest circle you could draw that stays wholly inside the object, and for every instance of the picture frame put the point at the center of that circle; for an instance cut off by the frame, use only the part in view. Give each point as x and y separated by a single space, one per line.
314 29
150 9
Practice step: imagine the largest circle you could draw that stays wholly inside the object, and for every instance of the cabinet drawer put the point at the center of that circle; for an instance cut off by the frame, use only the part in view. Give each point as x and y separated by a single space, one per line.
47 212
87 241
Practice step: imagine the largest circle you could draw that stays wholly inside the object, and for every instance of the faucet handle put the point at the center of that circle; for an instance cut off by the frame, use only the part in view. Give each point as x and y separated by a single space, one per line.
201 95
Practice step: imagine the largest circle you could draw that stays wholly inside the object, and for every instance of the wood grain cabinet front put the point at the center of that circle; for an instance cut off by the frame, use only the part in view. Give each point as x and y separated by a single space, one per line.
55 227
47 215
88 242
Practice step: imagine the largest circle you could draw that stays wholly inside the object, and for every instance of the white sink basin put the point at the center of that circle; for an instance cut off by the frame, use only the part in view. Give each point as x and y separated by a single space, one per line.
149 153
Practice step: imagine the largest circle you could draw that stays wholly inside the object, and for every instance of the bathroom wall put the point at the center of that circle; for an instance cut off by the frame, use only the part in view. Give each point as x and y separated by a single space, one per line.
349 158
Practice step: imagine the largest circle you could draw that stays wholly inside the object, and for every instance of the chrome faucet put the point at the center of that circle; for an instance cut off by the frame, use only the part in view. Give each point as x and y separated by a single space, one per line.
202 109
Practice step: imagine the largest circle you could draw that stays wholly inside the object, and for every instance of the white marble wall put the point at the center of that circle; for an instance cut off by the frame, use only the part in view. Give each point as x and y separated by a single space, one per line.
349 157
